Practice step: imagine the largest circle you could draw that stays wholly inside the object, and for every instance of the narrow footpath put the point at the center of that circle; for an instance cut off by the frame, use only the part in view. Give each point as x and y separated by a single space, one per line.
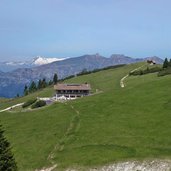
11 107
122 84
71 130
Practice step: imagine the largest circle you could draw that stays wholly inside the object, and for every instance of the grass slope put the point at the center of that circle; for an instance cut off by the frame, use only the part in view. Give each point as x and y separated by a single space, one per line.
117 124
34 134
47 92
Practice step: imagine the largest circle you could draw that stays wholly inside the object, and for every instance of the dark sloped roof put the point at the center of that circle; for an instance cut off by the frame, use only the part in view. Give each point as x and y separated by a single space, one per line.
72 87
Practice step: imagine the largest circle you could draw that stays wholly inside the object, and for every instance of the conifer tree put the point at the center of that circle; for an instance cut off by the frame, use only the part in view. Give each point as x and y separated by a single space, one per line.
39 84
7 161
44 84
25 90
32 87
55 78
165 63
169 63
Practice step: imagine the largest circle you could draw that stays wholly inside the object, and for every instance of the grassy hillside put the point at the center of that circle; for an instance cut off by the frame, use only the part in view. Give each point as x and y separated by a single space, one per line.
116 124
3 100
47 92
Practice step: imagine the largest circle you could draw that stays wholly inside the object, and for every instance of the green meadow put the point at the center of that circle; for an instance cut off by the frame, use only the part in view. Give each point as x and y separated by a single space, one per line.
114 124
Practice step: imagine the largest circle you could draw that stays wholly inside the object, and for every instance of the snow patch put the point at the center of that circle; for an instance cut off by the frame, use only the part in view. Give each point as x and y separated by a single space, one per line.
42 61
36 61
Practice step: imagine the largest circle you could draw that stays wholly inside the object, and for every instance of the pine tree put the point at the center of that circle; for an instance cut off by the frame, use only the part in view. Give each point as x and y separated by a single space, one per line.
55 79
32 87
7 161
165 63
25 90
169 63
44 84
39 84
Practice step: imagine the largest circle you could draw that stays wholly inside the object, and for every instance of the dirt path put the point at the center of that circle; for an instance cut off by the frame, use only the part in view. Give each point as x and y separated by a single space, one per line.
11 107
71 130
123 79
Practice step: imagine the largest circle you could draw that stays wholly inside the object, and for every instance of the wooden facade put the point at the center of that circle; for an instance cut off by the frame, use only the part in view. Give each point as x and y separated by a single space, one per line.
72 91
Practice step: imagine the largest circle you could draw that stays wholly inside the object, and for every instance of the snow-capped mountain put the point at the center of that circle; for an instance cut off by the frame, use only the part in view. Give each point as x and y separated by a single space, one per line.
11 65
13 82
42 61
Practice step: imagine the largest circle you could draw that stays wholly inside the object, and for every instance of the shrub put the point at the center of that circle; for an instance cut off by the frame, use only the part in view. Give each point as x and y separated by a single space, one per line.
136 72
154 69
146 71
28 103
164 72
38 104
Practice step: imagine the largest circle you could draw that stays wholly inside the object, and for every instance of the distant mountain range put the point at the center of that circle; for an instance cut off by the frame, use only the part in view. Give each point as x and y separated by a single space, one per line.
13 82
37 61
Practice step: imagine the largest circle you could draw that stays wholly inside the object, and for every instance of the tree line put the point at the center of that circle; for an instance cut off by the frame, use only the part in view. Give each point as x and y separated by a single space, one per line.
166 63
166 68
42 83
85 71
146 71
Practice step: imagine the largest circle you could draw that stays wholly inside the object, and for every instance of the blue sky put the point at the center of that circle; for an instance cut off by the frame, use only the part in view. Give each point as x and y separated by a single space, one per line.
61 28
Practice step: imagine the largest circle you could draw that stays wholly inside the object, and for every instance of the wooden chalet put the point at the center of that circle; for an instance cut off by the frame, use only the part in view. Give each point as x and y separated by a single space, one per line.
71 91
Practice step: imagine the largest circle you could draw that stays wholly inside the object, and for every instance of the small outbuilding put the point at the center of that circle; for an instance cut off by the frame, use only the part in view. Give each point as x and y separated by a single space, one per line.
71 91
151 62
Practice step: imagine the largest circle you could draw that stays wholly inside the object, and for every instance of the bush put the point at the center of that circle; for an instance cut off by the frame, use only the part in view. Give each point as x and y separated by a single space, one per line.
38 104
164 72
28 103
146 71
154 69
